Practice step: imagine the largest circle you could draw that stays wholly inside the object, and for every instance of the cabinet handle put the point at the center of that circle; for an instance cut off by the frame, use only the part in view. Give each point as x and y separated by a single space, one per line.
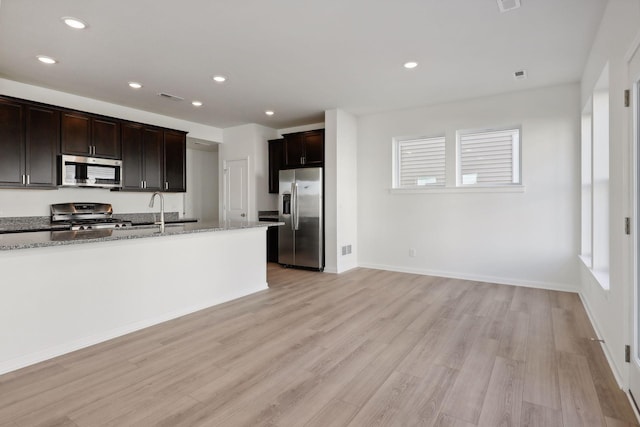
24 180
28 179
166 185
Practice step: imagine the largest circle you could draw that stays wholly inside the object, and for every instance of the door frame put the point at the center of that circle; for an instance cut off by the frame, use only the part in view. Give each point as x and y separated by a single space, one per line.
225 187
633 307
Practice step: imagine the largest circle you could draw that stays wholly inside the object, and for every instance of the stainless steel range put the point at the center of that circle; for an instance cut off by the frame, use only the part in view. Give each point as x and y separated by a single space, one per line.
86 216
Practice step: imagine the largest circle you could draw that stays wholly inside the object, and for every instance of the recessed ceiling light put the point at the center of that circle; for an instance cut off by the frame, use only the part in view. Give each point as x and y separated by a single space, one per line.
74 23
135 85
219 79
411 64
269 113
196 104
46 59
507 5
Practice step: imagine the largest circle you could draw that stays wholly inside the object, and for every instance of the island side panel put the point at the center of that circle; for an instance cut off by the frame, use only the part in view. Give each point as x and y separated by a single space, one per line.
55 300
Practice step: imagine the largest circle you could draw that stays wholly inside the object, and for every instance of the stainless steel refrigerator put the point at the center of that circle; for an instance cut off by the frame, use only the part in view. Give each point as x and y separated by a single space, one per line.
301 239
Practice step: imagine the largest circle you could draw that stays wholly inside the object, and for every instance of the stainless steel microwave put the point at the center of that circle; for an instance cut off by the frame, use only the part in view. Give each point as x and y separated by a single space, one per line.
78 171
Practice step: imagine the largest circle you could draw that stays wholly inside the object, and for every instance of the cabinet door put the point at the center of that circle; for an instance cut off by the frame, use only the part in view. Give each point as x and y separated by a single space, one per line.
132 156
152 147
76 134
105 138
175 158
293 150
41 147
276 151
313 142
11 143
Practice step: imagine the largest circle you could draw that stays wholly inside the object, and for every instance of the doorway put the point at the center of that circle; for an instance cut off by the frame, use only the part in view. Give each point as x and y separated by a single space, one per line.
236 190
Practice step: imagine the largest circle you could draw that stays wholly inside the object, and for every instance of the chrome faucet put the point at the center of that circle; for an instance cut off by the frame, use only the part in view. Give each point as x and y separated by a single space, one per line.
153 197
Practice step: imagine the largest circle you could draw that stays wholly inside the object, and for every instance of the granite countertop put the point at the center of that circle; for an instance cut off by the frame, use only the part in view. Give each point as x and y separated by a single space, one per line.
37 239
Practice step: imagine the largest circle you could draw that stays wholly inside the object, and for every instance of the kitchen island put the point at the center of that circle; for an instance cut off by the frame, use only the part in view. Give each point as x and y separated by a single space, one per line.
58 295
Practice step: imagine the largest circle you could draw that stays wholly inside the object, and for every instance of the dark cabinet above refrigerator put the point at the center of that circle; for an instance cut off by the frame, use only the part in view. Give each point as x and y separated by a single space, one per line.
304 149
295 150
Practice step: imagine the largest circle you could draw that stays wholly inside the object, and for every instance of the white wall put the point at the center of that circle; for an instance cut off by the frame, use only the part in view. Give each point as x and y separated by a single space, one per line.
250 142
528 238
341 189
201 199
16 202
610 310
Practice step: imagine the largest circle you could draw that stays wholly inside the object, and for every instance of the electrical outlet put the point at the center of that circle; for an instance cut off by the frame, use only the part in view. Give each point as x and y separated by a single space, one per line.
412 252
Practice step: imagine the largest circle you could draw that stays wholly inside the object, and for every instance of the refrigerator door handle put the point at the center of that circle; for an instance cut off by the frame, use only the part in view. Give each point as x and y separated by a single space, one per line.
296 219
293 205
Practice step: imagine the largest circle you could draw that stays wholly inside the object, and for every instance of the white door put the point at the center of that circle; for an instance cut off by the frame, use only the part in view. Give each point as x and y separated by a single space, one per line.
236 189
634 84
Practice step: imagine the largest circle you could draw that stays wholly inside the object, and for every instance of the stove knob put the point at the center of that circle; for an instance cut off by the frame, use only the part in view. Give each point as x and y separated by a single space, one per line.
81 227
117 225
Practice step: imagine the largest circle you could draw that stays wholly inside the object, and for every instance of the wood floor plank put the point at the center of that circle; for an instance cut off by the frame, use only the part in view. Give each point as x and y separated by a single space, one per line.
503 402
580 405
613 422
530 300
465 400
540 416
449 421
541 369
361 388
513 342
406 400
336 413
367 347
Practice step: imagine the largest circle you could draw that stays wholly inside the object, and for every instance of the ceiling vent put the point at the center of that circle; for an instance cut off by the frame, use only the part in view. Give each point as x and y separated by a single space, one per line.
169 96
507 5
520 75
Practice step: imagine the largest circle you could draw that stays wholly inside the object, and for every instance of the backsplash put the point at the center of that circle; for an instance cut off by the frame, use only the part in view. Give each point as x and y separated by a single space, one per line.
35 203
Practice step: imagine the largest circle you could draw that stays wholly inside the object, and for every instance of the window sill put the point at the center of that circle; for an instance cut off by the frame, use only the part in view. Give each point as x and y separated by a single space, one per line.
601 276
458 190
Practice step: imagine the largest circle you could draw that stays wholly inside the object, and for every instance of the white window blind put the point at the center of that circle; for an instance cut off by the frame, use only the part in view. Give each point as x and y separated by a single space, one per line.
489 157
421 162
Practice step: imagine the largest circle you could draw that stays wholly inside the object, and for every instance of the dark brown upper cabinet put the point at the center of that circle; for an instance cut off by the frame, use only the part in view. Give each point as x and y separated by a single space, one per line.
141 157
175 161
41 148
132 176
87 135
304 149
276 160
29 137
32 135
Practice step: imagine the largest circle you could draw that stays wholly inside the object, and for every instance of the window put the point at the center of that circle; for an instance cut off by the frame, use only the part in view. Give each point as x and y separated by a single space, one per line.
595 181
488 157
419 162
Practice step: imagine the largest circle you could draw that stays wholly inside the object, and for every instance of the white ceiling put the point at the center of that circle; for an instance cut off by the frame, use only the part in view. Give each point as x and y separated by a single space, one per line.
296 57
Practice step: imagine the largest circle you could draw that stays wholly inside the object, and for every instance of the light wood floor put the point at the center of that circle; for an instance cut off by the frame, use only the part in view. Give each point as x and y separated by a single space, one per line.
365 348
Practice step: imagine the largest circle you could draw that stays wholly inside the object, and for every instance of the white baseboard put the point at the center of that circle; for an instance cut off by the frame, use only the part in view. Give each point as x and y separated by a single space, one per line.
477 278
59 350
